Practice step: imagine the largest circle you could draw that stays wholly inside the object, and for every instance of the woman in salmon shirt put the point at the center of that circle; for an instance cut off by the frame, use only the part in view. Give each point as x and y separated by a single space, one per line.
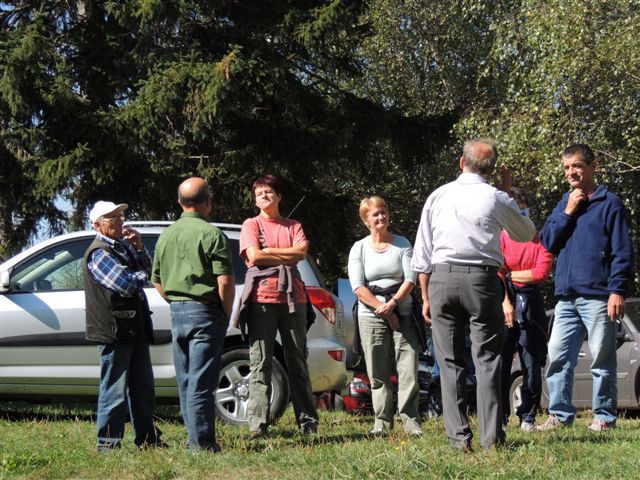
526 267
274 300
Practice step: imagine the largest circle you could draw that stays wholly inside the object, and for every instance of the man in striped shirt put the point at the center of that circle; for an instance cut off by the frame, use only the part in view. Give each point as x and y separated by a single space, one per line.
118 320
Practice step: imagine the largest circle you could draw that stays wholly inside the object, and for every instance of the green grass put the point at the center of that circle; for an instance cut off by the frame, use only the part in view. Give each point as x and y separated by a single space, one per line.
39 442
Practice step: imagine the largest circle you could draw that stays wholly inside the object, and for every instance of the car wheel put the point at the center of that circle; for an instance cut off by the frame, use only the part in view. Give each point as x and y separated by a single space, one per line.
515 393
232 396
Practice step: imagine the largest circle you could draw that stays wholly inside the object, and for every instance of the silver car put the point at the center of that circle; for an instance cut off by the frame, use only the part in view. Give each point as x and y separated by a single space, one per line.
628 355
44 355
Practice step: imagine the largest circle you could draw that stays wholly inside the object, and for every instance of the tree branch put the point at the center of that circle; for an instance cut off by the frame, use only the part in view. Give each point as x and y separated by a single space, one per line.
628 167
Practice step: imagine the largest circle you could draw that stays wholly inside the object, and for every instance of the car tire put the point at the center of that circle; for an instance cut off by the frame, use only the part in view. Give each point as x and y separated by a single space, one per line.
232 396
434 402
515 393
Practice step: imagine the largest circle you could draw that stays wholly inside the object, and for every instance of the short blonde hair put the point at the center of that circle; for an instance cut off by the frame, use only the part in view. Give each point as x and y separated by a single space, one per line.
368 203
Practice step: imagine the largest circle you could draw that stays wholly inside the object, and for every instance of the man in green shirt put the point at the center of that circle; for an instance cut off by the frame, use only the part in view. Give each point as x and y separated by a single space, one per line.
192 270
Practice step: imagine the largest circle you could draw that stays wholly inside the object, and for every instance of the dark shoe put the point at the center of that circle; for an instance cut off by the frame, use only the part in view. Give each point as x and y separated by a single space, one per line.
260 432
105 447
215 448
257 434
156 444
463 447
309 428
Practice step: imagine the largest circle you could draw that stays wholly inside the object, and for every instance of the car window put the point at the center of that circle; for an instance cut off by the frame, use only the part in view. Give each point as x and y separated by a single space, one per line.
57 268
239 267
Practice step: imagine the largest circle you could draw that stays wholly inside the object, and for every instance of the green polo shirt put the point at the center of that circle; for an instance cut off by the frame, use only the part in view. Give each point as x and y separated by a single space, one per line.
189 256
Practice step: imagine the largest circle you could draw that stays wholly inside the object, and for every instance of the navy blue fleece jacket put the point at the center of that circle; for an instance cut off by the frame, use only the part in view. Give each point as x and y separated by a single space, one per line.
595 254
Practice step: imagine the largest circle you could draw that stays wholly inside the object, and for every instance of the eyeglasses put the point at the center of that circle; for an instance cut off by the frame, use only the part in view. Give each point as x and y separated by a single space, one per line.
113 218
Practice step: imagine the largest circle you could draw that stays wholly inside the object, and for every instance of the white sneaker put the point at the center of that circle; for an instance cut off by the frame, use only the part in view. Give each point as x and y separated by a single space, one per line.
412 427
527 427
601 426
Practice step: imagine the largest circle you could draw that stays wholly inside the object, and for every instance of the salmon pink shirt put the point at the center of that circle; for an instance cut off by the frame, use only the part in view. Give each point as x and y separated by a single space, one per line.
262 232
531 255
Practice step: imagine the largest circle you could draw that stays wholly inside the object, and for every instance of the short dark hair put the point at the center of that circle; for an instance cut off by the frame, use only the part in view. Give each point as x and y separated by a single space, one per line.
267 180
482 164
582 150
191 199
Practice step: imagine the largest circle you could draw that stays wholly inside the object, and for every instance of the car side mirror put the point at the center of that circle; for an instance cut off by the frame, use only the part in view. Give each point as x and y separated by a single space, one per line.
5 278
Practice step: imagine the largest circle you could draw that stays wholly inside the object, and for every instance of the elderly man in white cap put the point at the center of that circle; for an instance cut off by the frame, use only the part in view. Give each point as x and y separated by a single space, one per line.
116 268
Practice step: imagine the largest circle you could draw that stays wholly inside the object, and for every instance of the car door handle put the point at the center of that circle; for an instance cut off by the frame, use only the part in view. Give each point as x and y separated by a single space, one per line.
582 354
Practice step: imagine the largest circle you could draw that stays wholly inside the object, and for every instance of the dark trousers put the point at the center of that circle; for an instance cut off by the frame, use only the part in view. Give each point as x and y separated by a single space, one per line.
470 298
531 390
529 339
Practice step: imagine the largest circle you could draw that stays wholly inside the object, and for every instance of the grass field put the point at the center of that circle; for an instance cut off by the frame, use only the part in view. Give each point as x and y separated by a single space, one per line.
38 442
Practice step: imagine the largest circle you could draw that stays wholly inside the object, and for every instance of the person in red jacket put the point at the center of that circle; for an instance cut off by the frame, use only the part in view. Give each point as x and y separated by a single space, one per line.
526 266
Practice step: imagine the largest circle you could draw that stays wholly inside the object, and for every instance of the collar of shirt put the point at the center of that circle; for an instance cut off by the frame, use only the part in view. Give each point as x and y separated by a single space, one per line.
192 215
107 240
467 178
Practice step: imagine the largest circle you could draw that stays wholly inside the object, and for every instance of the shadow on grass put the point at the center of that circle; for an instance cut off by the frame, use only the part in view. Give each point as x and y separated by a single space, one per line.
21 411
296 439
595 438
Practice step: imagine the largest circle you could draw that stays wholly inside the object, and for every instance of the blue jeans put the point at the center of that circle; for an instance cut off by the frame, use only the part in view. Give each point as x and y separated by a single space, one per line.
126 376
198 336
575 317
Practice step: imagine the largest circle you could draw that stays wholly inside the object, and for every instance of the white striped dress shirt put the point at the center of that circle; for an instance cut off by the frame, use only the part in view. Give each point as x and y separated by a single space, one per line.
461 223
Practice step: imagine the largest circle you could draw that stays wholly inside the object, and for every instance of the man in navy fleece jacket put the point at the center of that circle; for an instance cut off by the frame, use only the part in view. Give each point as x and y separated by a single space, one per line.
589 232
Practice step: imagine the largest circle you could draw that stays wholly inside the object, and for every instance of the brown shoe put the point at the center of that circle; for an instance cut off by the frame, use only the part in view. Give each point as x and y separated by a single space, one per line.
257 434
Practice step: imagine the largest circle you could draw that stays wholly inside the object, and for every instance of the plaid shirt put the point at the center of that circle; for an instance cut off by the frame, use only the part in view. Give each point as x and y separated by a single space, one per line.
109 271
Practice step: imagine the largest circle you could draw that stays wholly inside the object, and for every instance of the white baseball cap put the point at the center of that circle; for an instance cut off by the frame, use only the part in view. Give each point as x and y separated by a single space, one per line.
102 208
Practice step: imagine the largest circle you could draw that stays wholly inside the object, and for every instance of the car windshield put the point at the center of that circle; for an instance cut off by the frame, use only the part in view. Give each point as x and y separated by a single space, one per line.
58 268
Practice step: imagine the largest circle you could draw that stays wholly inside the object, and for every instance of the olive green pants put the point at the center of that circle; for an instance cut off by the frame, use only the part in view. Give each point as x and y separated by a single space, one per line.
383 348
265 320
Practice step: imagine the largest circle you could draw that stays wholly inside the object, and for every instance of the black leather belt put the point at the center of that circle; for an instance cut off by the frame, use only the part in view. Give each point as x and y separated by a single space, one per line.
201 302
448 267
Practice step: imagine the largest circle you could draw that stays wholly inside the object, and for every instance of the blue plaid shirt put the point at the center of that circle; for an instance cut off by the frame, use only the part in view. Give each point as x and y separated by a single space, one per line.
108 270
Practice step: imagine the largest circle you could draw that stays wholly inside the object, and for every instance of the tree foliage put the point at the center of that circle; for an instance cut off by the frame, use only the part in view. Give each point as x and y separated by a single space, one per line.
123 100
567 72
536 76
